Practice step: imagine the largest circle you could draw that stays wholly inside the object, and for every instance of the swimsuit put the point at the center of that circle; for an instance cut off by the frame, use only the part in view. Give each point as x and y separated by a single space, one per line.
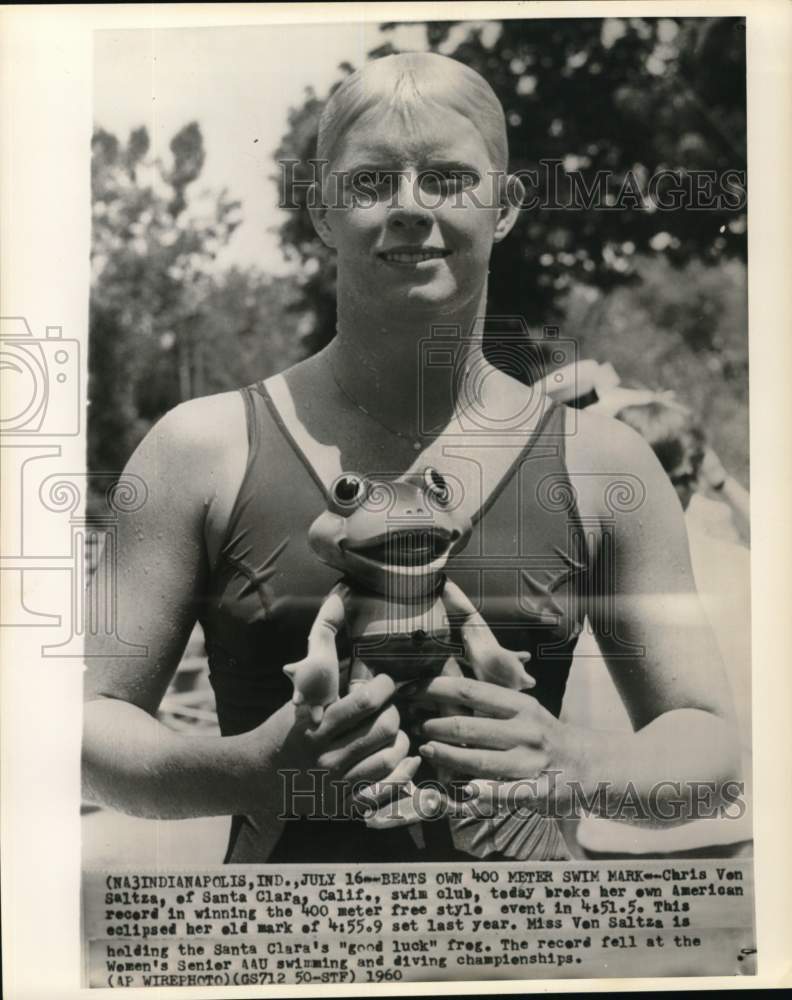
524 568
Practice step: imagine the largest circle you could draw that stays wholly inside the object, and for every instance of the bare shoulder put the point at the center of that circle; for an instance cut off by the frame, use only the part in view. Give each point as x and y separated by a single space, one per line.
597 443
603 454
207 423
205 426
196 452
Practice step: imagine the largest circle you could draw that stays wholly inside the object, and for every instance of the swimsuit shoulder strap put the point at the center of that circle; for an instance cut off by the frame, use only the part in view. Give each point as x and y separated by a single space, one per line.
459 456
317 459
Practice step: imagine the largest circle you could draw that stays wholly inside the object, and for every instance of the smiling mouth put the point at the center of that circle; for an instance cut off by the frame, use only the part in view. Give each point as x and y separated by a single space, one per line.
411 547
407 256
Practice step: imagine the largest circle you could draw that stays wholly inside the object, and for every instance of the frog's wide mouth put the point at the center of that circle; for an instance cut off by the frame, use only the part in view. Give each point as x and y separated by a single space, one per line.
406 546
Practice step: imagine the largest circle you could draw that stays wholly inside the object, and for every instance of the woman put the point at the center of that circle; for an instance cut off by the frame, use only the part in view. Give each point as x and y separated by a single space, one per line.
414 198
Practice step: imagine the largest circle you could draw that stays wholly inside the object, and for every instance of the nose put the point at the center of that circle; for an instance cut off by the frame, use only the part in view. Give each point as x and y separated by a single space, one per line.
407 210
415 512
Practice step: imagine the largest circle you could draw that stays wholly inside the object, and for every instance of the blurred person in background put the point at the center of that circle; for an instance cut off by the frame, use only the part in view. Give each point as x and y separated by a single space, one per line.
717 518
714 502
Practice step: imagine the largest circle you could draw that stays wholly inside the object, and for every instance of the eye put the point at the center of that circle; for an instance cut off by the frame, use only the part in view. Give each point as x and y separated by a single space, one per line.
369 185
436 488
348 492
444 182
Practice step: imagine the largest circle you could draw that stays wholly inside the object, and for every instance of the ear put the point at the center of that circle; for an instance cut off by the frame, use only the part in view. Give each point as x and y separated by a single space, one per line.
512 194
318 212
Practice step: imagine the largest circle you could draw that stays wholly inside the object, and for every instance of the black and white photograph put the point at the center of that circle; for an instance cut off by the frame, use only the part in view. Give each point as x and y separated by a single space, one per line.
409 578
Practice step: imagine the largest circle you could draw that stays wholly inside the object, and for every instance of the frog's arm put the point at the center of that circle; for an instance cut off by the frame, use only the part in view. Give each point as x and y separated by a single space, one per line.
489 660
316 678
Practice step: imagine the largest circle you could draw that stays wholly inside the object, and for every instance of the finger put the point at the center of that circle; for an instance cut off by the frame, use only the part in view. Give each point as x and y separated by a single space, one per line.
524 657
526 793
348 712
473 695
425 804
471 731
341 589
476 763
397 783
376 766
482 791
343 752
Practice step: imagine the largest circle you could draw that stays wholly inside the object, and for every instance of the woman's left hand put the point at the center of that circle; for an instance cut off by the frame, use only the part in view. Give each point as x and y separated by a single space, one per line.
513 751
498 736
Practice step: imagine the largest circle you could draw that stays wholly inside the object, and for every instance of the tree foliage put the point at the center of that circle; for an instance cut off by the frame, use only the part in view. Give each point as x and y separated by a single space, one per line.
627 96
679 328
659 293
166 323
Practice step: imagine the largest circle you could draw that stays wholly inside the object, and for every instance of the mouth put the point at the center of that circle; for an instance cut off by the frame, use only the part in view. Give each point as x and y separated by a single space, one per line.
408 547
411 256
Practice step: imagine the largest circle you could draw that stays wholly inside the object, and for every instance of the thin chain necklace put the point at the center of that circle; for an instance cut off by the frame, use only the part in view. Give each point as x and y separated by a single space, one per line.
410 439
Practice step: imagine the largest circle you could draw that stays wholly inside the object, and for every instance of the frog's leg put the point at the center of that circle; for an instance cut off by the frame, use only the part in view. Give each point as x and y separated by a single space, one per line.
487 658
316 678
359 672
490 662
524 834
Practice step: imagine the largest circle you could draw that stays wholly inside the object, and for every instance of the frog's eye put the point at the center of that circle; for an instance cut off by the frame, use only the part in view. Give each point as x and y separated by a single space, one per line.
348 492
436 488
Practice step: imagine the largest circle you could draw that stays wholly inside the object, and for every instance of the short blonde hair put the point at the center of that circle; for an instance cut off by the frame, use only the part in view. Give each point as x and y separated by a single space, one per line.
405 81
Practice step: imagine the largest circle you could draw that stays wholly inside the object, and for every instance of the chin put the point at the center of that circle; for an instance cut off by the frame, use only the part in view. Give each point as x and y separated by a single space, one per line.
433 296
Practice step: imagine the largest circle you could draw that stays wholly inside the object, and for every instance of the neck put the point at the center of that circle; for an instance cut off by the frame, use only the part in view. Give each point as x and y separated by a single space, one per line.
386 365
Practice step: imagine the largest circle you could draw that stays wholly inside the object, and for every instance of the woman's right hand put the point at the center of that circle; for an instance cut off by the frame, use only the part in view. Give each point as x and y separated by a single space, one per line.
360 739
358 743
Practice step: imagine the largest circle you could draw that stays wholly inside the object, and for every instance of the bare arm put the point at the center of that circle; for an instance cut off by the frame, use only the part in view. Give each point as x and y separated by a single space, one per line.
658 647
133 763
130 760
649 624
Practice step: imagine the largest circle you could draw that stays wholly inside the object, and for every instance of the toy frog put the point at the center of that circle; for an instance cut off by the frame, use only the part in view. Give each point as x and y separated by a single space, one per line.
391 540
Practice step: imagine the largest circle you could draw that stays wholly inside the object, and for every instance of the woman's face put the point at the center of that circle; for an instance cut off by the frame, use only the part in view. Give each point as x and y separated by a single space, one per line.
414 209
